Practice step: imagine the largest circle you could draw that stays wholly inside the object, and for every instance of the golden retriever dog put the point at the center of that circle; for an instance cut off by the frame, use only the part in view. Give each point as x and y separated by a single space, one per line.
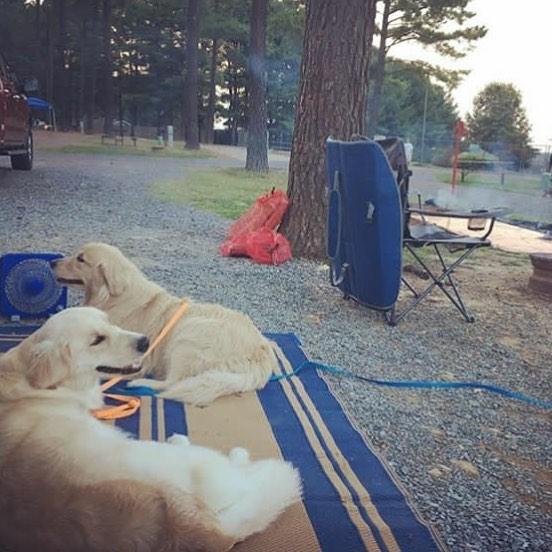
71 483
212 351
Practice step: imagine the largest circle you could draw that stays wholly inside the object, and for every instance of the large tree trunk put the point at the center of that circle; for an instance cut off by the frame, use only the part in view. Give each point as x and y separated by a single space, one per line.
332 102
39 58
107 68
257 148
60 90
234 110
91 67
50 53
211 103
376 84
191 91
82 70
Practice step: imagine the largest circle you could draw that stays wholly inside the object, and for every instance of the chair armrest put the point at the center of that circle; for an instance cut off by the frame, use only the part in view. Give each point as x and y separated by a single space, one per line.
479 214
485 214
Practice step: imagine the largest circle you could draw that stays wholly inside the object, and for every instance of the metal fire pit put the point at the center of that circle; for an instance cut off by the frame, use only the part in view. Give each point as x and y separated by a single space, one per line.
541 280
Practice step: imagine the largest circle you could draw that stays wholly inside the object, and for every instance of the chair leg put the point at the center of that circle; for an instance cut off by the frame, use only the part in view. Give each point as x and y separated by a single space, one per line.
391 316
462 307
407 284
447 271
436 281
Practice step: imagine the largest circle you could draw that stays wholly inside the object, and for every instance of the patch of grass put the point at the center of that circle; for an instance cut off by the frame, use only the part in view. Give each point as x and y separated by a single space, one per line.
513 181
477 156
92 146
226 192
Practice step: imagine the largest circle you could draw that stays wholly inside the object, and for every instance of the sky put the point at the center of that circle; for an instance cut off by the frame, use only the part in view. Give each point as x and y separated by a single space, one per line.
517 49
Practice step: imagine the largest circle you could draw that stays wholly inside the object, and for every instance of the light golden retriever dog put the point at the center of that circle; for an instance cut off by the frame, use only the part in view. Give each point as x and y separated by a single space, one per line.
212 351
70 483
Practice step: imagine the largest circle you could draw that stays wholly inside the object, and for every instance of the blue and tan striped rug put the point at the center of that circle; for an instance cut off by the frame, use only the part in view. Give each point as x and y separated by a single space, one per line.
352 502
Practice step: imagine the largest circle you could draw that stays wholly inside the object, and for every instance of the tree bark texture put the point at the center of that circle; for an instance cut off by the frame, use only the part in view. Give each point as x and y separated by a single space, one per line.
82 70
376 84
108 68
49 53
62 90
91 66
211 104
39 59
191 91
332 102
257 147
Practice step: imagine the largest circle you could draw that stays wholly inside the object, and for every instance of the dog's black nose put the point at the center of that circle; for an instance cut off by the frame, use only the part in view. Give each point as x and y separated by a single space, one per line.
142 344
54 262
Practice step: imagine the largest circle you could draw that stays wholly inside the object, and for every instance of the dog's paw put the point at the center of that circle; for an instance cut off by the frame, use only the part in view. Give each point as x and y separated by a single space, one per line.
239 456
178 439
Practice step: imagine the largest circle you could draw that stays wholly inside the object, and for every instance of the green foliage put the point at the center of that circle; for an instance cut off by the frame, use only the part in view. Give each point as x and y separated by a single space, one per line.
16 31
402 108
477 156
498 123
442 24
285 43
148 48
148 56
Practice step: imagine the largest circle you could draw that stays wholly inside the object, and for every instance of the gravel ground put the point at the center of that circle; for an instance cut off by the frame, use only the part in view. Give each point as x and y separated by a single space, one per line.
500 498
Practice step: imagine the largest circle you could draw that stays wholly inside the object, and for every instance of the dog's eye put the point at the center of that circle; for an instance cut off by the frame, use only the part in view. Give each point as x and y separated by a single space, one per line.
98 340
80 258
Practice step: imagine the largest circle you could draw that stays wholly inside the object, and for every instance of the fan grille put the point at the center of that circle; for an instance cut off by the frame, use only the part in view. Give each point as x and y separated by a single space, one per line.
30 286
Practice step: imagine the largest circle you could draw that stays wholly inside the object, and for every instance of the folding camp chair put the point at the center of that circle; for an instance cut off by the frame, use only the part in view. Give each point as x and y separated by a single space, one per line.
364 247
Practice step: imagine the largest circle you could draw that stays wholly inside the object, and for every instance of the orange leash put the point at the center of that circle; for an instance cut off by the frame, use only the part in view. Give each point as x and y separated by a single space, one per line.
130 405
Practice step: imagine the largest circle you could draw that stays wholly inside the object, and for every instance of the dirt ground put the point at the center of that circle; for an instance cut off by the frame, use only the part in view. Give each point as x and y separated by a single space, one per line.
505 236
47 139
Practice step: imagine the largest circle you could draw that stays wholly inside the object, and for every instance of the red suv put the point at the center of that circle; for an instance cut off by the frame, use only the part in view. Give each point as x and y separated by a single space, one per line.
16 138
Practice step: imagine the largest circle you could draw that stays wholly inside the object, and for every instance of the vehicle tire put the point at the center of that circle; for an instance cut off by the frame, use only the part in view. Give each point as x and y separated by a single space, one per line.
24 161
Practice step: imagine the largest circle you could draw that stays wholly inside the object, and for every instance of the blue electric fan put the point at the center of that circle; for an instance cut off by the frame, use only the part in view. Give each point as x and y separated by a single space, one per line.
28 287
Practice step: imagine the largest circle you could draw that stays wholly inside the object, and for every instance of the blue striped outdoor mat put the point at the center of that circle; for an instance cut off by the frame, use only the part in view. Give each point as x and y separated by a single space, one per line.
352 502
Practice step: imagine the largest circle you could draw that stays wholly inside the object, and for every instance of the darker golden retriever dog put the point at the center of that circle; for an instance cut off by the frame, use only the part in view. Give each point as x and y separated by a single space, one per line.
71 483
212 351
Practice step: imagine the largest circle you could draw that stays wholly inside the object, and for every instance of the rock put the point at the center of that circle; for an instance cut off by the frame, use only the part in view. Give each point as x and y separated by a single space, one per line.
438 434
466 467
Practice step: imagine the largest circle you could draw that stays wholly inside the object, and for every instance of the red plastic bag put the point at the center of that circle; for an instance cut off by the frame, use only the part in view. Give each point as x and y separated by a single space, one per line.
267 211
268 247
234 248
253 234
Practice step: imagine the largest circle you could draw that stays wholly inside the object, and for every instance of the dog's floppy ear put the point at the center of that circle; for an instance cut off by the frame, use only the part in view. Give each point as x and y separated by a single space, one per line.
113 279
49 365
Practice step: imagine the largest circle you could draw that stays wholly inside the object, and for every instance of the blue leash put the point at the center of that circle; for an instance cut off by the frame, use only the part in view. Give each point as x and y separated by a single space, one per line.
412 384
417 384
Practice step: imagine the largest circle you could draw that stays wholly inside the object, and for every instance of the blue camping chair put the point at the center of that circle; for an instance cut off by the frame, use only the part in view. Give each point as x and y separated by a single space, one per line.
369 224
